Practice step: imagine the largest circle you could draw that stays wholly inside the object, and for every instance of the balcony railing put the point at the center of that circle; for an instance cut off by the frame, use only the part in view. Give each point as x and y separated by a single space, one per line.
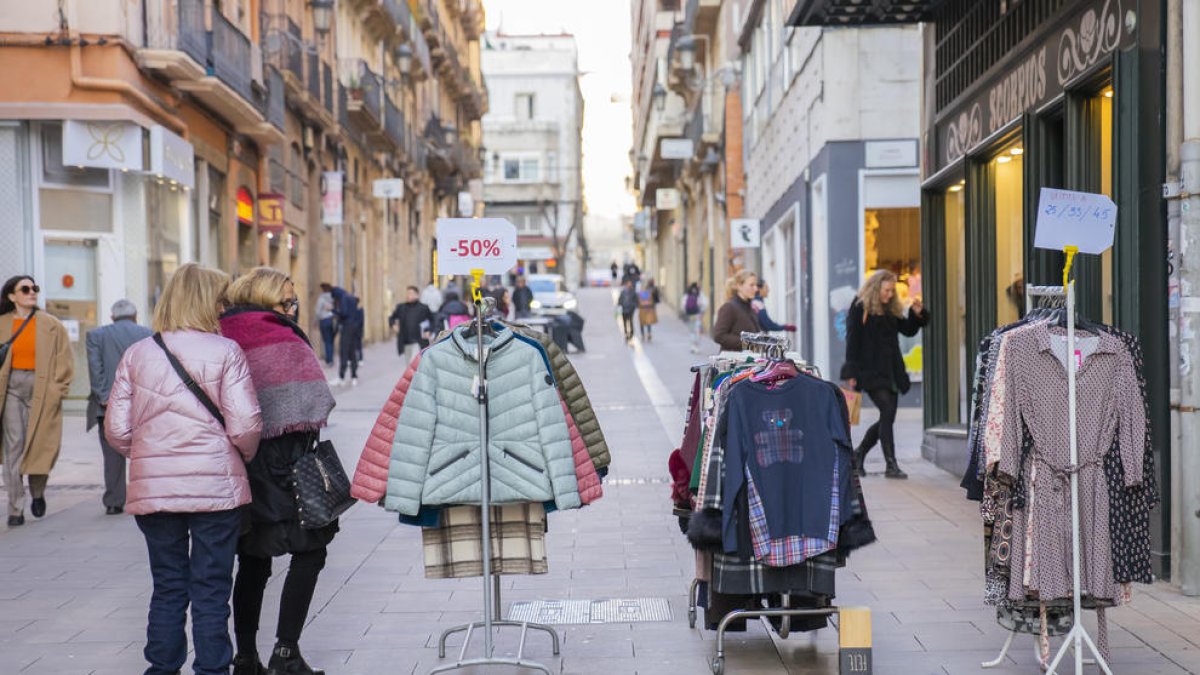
327 85
393 122
314 76
177 26
295 50
365 94
276 110
231 54
421 52
343 107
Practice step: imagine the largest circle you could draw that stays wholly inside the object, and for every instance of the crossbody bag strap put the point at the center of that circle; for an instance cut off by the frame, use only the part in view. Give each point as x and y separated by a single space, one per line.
189 382
20 328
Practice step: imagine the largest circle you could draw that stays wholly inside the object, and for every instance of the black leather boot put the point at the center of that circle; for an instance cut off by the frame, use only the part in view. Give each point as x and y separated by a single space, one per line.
248 664
860 458
893 468
286 660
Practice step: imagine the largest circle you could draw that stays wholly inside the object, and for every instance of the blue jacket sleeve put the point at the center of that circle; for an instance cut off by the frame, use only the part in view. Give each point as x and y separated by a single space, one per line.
735 471
765 321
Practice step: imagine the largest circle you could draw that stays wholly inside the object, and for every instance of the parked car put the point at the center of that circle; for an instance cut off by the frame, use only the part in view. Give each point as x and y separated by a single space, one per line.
550 294
599 277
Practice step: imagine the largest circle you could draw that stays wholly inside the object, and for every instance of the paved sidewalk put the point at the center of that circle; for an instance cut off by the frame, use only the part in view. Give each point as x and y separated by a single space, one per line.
74 586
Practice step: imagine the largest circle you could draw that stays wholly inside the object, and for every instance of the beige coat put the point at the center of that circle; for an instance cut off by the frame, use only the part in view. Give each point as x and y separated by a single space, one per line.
53 370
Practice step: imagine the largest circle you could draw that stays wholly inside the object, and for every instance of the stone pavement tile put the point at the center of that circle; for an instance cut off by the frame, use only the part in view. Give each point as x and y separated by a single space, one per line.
947 636
418 602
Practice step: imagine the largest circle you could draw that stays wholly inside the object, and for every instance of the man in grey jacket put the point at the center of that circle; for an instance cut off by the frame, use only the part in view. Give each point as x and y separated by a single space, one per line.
105 346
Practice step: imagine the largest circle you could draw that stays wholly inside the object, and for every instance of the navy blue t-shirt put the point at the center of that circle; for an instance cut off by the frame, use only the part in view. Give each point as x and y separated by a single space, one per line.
788 437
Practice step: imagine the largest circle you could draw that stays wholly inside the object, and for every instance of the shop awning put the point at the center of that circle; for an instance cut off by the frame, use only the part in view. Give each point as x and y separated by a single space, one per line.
861 12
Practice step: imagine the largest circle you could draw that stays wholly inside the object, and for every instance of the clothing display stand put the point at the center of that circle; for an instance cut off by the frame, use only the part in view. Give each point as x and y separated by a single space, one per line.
1031 293
491 586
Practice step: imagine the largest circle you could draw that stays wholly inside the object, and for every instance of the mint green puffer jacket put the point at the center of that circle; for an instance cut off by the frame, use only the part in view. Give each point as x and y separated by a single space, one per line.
435 456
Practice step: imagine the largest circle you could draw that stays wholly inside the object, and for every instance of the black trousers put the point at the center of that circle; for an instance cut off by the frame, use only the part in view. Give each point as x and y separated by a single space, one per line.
882 431
627 319
349 350
252 575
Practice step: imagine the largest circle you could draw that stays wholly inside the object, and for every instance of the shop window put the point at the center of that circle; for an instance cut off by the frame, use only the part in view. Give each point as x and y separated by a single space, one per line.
892 241
71 198
165 209
956 309
1007 167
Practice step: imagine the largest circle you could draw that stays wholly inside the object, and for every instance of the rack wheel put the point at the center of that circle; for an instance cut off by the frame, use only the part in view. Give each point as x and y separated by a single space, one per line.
692 617
718 665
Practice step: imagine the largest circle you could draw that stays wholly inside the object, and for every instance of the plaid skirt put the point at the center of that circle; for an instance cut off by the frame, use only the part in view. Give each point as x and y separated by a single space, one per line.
455 549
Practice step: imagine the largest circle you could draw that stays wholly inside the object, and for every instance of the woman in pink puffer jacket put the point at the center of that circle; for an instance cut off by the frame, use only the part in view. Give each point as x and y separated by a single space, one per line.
187 470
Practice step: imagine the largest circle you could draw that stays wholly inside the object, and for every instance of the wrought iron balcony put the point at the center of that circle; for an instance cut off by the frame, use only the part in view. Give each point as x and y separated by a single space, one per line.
294 48
175 29
422 56
327 85
364 96
231 56
313 79
393 122
275 108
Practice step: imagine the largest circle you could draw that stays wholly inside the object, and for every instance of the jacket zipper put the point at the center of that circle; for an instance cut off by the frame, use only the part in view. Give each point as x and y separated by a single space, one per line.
524 461
452 460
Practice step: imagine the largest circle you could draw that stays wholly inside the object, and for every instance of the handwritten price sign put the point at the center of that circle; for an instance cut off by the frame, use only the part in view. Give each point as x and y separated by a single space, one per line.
465 244
1082 219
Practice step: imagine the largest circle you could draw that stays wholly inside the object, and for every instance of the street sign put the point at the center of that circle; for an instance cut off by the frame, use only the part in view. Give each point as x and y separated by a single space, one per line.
389 188
676 148
1082 219
745 233
666 199
465 244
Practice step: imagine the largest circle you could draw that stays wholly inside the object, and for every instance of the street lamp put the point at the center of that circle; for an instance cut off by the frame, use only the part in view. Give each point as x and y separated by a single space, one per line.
403 55
660 97
322 16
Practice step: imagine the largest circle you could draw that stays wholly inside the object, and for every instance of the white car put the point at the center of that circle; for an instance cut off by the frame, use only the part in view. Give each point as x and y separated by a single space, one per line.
550 294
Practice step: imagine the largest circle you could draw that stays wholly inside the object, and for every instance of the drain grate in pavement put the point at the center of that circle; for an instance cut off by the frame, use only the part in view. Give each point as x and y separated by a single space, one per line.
619 610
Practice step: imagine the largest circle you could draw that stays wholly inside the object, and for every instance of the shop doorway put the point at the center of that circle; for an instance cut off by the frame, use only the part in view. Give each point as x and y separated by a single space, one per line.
71 291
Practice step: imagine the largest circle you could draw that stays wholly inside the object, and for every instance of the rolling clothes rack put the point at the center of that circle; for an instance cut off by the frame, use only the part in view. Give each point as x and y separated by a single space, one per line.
491 586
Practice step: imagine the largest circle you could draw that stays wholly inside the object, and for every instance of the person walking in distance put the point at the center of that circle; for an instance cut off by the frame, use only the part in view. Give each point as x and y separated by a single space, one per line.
737 315
648 299
184 411
407 319
760 307
34 379
350 327
614 269
295 401
105 347
325 321
522 298
694 304
874 364
628 302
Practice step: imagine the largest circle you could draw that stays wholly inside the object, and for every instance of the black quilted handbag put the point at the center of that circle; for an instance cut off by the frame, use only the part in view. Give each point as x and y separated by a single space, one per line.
321 486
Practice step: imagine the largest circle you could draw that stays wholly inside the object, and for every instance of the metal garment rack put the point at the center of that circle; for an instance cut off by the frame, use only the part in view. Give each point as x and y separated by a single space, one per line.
1078 635
491 584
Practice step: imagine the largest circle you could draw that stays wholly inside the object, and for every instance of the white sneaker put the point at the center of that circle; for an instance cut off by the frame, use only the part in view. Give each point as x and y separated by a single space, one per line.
354 382
335 381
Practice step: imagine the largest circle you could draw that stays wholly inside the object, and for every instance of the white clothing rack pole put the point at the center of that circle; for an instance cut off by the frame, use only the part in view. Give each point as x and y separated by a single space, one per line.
483 307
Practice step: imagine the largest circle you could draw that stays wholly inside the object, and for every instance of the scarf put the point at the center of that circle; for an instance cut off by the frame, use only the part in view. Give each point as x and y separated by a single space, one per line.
292 391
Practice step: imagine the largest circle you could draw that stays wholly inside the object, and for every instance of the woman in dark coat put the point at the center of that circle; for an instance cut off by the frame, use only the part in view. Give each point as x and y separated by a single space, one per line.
874 364
737 315
295 401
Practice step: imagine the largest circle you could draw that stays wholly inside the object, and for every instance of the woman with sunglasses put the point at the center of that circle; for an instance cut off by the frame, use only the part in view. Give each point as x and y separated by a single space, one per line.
295 400
34 380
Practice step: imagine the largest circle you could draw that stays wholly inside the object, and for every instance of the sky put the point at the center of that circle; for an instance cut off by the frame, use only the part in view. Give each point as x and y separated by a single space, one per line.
601 30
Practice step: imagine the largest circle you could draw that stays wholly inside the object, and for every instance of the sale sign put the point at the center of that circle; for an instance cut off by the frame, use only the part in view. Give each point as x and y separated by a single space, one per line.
465 244
1083 219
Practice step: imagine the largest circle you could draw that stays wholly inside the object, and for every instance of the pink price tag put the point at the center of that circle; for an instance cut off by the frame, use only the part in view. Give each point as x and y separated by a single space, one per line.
1078 359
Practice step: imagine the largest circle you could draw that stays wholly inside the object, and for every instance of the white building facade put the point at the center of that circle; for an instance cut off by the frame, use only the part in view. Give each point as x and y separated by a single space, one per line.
533 136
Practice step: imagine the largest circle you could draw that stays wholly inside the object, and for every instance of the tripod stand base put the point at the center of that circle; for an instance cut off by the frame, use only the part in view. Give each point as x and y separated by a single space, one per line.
488 659
1078 634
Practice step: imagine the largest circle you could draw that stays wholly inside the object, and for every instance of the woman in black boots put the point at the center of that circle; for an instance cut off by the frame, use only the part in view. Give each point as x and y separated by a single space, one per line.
874 364
296 402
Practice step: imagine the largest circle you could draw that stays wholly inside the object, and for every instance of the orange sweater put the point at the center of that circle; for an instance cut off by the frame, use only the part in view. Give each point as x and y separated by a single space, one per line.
24 348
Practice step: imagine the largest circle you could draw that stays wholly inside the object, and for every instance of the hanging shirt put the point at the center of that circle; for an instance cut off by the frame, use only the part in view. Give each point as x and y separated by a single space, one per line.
785 436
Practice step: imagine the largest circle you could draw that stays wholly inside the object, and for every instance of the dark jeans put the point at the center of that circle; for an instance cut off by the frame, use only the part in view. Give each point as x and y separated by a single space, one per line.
201 577
327 334
627 319
114 472
298 588
883 431
349 350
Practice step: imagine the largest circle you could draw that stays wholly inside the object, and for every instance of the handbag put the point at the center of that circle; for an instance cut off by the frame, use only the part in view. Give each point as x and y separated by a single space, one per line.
853 404
4 348
320 485
188 382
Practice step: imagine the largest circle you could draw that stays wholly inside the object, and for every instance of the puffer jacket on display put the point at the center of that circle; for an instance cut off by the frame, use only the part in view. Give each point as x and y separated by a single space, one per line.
371 475
575 395
180 459
435 456
586 478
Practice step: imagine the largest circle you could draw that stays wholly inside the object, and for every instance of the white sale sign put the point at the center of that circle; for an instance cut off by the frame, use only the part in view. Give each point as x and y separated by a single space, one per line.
465 244
1082 219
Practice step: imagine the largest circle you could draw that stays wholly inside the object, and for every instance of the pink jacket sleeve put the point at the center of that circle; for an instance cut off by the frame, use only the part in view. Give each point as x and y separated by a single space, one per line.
585 472
239 405
371 474
118 421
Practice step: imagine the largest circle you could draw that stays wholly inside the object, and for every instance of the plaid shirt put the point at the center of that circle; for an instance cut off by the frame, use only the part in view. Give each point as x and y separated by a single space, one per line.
792 549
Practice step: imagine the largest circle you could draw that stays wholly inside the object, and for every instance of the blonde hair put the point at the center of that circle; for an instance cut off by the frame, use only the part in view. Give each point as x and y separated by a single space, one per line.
190 300
735 282
868 295
260 287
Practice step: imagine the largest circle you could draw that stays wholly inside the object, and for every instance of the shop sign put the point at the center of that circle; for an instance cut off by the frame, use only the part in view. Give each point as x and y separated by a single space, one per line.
465 244
245 206
676 148
172 157
745 233
331 198
270 214
388 188
891 154
1060 55
666 199
102 145
1068 218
